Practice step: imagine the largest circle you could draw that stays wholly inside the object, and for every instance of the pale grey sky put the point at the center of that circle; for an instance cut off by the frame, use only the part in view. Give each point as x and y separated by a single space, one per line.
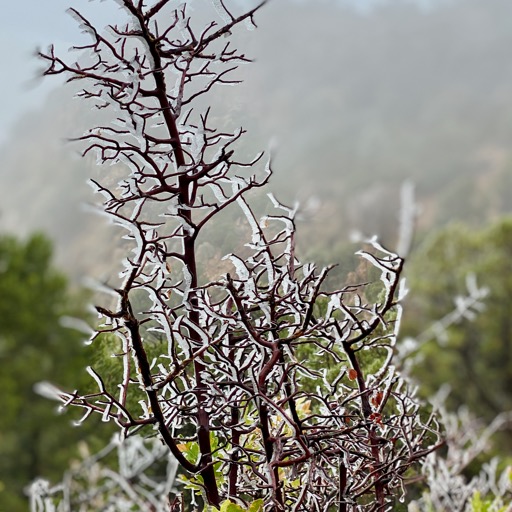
25 26
28 24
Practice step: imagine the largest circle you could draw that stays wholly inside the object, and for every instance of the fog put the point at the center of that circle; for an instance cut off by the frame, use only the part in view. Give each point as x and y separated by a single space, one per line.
355 101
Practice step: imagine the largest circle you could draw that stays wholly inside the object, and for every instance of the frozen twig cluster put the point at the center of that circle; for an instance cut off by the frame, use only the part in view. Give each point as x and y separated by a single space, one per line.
466 306
231 388
94 484
448 488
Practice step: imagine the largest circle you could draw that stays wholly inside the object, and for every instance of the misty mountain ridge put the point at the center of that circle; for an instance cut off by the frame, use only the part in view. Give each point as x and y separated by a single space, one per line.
357 104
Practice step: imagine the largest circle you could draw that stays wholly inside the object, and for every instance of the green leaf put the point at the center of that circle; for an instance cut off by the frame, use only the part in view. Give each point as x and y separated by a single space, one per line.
484 505
256 506
229 506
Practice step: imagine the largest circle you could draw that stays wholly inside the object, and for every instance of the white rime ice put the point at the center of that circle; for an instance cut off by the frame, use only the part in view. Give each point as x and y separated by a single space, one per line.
221 11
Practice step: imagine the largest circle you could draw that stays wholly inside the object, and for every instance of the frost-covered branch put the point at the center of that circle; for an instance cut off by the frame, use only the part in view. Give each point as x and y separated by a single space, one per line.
232 386
448 487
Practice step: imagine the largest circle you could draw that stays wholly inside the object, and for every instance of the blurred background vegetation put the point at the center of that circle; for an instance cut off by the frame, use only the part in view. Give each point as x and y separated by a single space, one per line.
355 104
34 346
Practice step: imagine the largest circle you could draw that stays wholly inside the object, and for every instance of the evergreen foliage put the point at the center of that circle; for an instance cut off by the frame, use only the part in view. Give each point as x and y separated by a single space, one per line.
33 347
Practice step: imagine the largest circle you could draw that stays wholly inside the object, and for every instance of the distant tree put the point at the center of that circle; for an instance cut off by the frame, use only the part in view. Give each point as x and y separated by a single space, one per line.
211 361
473 355
33 346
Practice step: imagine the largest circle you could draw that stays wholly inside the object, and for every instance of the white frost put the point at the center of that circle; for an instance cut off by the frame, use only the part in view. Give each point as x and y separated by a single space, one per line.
221 11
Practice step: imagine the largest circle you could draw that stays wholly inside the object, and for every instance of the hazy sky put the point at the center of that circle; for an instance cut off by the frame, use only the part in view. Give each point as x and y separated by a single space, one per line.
25 26
28 24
